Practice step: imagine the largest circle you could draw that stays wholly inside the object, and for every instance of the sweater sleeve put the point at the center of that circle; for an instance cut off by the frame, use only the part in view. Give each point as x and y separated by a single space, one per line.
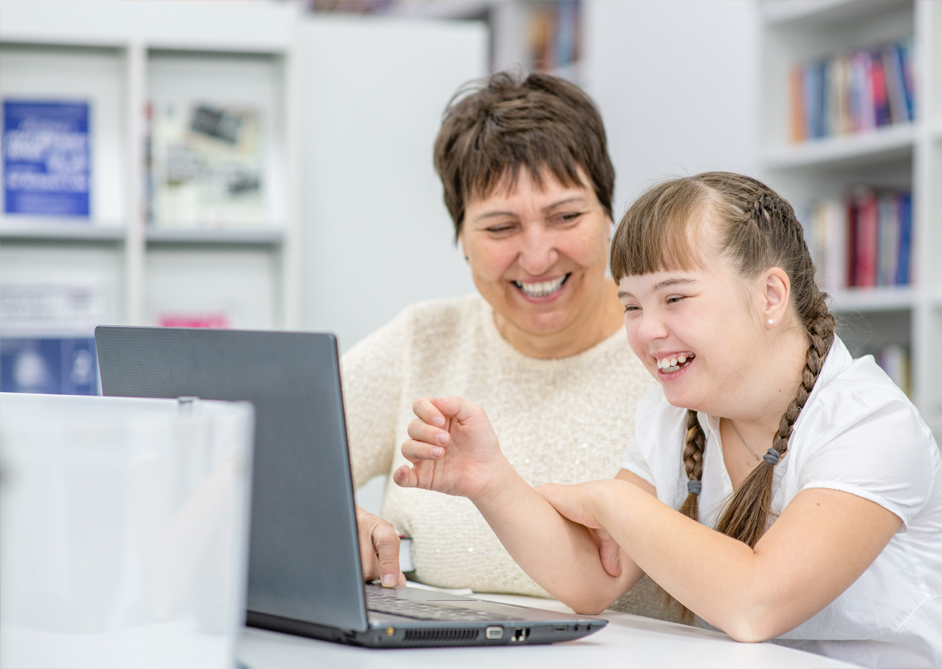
372 385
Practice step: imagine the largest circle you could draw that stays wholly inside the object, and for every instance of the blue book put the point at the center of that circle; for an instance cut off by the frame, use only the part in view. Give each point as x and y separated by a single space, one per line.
905 238
46 169
53 365
905 51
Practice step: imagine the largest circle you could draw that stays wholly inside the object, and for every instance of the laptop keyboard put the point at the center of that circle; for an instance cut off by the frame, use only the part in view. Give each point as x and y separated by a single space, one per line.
380 601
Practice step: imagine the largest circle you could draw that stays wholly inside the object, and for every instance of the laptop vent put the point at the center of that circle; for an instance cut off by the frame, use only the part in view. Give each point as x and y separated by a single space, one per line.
441 635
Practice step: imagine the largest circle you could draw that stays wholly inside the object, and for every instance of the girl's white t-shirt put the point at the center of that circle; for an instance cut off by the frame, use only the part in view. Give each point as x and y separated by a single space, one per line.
857 433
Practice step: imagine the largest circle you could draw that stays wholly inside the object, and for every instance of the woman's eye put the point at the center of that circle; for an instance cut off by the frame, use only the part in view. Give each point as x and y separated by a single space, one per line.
569 217
497 229
631 307
674 299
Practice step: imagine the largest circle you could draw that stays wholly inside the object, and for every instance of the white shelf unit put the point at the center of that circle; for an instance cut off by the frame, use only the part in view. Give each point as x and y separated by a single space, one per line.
902 156
119 56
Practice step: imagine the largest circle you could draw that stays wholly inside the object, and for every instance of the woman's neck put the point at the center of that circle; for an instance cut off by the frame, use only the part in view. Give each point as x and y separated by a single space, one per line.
596 322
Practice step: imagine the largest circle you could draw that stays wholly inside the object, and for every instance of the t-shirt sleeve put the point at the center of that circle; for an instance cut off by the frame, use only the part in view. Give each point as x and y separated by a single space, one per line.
634 462
885 455
372 374
637 458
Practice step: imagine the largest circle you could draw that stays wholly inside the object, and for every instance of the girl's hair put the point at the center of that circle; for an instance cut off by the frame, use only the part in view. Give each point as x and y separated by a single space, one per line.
674 225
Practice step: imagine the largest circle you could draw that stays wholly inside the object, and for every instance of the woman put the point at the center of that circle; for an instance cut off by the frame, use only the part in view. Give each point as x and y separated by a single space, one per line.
528 183
821 480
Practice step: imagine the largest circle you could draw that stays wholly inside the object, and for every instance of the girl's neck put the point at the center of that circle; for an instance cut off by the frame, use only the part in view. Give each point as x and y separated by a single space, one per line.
765 399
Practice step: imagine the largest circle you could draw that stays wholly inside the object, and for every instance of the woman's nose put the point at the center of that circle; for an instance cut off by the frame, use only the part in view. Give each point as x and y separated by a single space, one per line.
538 253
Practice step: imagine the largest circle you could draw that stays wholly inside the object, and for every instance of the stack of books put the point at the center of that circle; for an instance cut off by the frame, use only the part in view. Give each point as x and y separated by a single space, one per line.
853 92
862 241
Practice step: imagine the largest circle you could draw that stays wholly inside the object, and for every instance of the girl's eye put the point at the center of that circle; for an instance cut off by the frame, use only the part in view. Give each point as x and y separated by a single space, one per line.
631 308
675 299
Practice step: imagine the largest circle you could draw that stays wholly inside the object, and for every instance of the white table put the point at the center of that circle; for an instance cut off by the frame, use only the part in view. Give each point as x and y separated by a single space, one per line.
627 641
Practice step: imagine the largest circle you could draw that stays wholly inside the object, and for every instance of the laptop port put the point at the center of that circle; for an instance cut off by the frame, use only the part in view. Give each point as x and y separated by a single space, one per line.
520 634
494 632
561 628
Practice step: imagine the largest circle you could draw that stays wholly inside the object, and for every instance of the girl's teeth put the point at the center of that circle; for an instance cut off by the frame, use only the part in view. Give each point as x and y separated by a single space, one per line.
682 359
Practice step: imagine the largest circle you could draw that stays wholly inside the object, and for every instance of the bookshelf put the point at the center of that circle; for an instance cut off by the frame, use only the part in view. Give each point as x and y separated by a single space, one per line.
901 155
119 57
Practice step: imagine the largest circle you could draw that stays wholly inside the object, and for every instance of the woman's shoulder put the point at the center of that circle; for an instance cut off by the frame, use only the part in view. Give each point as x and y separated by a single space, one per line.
429 320
445 313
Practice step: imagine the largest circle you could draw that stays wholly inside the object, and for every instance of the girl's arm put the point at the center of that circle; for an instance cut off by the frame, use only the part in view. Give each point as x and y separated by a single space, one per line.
823 541
560 555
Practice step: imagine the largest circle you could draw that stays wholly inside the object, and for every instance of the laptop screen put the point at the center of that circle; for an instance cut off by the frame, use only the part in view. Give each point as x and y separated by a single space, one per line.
304 559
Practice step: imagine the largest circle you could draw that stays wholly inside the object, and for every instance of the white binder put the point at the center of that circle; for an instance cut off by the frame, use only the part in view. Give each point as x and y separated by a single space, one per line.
123 531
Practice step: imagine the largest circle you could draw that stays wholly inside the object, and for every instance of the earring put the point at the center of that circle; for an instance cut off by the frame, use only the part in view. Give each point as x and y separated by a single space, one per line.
771 322
466 258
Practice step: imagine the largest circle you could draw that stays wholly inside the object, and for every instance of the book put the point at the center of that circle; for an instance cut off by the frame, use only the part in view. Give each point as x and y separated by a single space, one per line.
861 241
206 165
854 91
46 158
47 342
905 238
894 360
52 365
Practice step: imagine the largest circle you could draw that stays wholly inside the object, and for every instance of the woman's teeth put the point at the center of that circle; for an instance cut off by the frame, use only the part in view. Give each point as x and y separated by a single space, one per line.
543 288
673 364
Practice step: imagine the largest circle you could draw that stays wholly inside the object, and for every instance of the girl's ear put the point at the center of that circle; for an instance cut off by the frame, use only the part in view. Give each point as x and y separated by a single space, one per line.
776 293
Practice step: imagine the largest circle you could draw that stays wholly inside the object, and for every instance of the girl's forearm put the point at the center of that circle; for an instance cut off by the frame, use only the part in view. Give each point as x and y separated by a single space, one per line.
561 556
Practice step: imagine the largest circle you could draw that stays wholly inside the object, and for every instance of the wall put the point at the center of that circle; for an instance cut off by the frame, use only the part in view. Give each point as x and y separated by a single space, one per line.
375 233
676 82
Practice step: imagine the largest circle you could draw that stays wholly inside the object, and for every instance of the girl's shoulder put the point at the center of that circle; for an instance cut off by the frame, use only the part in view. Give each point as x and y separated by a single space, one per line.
853 393
657 422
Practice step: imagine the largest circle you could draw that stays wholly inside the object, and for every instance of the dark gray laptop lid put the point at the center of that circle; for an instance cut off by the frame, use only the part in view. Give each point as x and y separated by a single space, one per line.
298 501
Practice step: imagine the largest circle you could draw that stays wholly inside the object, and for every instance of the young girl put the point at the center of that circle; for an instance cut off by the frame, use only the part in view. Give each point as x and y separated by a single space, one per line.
775 487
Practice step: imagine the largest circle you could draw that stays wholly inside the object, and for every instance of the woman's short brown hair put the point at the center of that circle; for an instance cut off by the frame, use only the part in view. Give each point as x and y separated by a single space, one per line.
492 128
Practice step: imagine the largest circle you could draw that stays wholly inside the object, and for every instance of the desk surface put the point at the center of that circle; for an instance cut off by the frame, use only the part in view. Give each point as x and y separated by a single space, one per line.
627 641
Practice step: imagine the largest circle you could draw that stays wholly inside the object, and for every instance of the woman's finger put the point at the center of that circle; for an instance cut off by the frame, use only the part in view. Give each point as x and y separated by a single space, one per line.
422 431
418 451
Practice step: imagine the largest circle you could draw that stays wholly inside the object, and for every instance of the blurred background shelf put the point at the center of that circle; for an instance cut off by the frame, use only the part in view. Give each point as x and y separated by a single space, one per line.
261 237
881 144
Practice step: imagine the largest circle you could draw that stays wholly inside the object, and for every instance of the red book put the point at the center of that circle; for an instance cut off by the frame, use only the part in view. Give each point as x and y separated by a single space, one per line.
868 231
881 101
850 261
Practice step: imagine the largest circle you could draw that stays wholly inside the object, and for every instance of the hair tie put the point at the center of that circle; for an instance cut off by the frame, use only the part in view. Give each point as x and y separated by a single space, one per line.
772 457
693 487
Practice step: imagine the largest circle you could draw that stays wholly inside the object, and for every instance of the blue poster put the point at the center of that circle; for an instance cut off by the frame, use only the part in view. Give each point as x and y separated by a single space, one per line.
56 365
46 158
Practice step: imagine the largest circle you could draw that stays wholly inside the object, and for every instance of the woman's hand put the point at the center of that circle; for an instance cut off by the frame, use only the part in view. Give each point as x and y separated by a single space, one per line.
379 550
576 503
453 448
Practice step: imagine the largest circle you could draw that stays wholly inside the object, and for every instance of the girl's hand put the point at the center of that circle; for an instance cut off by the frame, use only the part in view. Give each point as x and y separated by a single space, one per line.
575 502
453 448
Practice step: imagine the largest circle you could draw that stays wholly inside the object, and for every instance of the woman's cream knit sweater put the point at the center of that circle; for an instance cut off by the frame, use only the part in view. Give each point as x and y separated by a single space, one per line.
562 420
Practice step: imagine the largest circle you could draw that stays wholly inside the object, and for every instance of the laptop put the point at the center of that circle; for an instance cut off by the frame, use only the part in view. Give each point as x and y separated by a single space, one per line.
304 560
